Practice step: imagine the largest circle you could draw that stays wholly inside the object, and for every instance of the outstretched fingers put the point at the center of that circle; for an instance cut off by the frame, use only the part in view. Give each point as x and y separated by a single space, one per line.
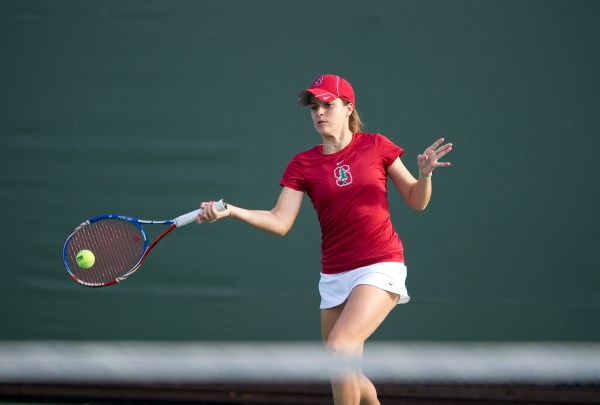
442 151
436 144
429 160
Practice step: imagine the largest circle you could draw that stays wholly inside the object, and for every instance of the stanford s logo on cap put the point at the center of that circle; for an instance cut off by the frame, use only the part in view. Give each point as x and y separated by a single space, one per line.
328 88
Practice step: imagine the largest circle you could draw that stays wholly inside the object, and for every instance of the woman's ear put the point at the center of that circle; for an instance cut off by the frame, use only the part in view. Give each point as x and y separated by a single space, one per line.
349 109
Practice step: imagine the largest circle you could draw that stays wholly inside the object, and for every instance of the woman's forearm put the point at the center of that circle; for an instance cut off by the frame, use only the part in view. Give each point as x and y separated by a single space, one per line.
268 221
420 193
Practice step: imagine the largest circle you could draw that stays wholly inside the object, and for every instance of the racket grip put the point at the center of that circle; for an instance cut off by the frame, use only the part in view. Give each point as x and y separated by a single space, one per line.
191 216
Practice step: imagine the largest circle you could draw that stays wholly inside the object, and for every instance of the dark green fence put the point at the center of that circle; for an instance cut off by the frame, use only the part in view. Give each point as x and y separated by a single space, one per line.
146 108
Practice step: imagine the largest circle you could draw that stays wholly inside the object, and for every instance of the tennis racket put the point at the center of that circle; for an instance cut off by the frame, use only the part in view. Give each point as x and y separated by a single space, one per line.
118 245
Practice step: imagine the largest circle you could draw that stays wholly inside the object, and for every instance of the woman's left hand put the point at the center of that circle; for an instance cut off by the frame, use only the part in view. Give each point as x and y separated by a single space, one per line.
429 160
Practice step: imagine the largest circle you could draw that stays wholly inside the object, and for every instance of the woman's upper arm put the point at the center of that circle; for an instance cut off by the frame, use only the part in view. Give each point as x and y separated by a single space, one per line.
288 205
401 178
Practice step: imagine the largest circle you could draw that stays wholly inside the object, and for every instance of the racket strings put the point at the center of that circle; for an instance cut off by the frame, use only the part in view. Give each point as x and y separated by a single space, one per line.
117 245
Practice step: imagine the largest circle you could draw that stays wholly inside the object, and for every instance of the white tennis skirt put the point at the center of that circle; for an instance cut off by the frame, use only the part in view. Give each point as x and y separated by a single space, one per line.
389 276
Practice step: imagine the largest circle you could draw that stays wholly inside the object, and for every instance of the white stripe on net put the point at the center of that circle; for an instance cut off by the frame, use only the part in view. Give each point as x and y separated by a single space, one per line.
272 362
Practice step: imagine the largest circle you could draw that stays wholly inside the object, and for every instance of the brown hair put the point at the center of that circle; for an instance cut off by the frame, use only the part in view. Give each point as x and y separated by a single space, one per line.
354 121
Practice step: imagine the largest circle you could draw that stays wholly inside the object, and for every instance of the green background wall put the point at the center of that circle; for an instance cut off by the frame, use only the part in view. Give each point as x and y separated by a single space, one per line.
146 108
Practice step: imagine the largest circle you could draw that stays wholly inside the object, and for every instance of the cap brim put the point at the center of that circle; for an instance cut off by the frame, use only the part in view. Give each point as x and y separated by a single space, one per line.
325 96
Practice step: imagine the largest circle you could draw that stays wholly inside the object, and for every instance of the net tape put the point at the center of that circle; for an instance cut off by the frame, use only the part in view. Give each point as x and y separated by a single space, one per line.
177 362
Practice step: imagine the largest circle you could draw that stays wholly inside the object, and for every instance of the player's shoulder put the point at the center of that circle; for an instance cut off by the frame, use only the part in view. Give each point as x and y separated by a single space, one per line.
372 138
305 155
369 135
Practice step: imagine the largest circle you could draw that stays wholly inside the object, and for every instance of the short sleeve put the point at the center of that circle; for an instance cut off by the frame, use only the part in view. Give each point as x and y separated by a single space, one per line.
292 176
388 150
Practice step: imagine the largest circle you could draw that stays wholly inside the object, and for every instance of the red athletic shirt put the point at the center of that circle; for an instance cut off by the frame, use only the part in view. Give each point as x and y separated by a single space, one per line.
348 191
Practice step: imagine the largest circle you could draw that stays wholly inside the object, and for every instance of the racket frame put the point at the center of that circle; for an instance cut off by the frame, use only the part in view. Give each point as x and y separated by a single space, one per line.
180 221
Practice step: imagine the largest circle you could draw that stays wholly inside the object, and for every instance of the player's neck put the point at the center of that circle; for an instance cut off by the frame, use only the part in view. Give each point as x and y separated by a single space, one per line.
333 144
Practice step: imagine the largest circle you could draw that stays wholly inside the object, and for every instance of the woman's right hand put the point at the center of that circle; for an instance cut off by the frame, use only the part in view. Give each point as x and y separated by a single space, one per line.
210 213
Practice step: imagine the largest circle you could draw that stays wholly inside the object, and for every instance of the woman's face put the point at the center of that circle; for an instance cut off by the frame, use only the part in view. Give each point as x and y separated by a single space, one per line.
330 118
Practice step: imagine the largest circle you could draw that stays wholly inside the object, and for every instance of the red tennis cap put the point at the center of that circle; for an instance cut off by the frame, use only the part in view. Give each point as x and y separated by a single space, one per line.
327 88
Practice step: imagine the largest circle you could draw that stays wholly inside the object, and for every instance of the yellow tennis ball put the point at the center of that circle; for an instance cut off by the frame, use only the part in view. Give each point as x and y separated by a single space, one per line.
85 259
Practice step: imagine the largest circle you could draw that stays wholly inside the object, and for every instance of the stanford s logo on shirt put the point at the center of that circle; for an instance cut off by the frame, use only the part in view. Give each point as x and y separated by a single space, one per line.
343 177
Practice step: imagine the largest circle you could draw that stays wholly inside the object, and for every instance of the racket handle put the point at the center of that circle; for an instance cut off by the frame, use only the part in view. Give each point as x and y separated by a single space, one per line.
191 216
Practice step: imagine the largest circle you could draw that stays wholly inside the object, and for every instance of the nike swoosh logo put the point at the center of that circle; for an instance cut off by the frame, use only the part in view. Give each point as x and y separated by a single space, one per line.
325 98
340 162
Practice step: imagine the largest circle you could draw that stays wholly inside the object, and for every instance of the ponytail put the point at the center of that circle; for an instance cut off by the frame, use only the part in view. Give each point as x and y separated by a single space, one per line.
354 121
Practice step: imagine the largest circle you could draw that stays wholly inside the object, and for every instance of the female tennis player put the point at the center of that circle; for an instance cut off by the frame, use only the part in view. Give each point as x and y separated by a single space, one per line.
362 265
